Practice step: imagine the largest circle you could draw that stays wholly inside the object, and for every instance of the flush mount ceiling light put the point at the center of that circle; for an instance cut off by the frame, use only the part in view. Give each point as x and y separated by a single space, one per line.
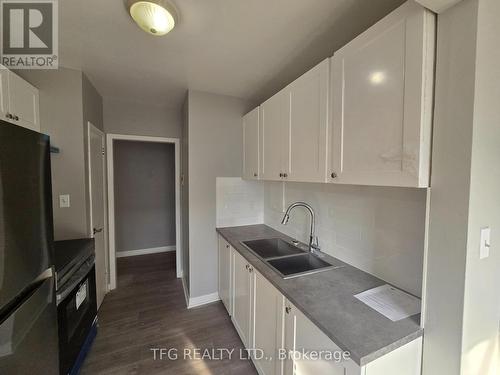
156 17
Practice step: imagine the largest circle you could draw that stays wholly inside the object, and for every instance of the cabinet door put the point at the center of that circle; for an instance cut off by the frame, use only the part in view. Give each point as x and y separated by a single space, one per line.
309 101
4 94
268 322
225 273
302 336
243 287
382 102
251 145
23 102
274 120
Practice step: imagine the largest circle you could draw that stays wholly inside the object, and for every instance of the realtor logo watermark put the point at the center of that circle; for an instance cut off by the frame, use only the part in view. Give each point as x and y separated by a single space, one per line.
29 34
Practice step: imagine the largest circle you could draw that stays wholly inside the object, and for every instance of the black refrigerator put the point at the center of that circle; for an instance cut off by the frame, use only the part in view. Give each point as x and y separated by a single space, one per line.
28 316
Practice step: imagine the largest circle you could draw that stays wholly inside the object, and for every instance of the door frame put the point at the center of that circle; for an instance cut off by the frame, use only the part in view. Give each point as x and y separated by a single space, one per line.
110 138
92 128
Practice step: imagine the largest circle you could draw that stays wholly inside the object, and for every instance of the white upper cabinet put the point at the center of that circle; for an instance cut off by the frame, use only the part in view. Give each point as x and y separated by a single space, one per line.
18 101
274 119
294 126
382 84
308 123
23 103
251 129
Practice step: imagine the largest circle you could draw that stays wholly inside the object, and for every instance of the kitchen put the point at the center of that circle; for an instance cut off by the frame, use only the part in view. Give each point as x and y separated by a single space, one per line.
333 205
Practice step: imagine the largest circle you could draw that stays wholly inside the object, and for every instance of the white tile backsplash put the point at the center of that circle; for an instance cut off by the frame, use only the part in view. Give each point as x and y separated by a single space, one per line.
377 229
239 202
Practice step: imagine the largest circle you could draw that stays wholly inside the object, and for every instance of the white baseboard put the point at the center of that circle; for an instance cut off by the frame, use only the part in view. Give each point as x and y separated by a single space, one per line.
203 300
152 250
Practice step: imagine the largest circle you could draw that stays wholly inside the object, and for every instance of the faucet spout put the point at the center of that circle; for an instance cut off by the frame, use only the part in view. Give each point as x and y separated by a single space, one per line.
313 240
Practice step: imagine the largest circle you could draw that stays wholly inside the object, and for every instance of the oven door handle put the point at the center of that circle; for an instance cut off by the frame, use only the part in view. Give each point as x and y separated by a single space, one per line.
70 285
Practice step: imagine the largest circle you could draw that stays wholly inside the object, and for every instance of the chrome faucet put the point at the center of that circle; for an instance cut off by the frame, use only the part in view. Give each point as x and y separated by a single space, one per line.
313 240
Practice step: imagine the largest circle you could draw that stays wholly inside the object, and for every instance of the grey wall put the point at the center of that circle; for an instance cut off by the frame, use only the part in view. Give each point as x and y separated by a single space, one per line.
463 300
92 104
138 118
61 115
144 177
214 143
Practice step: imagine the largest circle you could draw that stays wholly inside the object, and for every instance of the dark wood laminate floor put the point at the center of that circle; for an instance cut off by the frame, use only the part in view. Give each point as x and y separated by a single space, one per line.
148 310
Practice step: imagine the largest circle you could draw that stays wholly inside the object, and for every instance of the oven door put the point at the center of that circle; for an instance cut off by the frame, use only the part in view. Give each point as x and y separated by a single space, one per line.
76 313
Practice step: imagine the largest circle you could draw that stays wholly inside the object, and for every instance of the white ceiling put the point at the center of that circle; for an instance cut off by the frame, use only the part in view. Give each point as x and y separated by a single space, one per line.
244 48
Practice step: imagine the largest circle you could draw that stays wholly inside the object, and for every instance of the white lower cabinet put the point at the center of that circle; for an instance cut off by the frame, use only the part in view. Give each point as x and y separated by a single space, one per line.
243 286
268 326
311 350
284 340
225 274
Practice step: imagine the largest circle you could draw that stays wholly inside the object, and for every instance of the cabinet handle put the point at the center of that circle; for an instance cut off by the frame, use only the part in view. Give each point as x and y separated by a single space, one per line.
250 269
255 174
8 115
288 309
227 246
246 266
16 118
285 175
281 174
333 175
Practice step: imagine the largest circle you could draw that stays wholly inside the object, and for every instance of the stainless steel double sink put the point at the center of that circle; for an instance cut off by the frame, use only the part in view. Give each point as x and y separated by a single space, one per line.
287 259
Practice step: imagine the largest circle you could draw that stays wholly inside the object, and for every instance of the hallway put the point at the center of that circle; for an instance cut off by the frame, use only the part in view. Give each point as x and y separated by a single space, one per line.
148 310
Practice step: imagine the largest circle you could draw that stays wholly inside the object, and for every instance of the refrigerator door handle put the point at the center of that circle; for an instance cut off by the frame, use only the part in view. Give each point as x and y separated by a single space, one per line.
25 294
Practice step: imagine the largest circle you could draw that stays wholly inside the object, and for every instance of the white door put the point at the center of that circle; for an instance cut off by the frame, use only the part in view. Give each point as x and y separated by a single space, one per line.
251 145
225 273
23 102
309 101
382 102
273 123
97 208
242 314
268 325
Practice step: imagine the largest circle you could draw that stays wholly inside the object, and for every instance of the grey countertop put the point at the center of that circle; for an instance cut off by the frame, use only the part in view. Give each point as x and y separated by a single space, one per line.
327 299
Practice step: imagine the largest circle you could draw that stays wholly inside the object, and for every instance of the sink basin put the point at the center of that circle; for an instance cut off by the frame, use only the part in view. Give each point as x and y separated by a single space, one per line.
272 248
300 265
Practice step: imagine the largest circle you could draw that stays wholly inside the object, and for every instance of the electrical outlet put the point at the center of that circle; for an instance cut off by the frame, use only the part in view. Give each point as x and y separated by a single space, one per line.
484 247
64 201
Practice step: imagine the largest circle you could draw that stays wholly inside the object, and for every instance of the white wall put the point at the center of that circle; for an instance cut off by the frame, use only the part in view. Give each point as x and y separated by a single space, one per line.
379 230
214 144
480 340
463 298
239 202
140 118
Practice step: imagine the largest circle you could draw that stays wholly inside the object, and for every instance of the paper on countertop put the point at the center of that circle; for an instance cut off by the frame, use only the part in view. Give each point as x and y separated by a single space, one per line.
390 302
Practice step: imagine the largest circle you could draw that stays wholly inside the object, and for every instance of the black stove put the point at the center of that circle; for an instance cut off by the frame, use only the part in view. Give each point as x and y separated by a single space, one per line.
76 301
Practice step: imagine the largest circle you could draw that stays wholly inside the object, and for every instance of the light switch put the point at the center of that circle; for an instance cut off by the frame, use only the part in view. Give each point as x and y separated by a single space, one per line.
484 249
64 201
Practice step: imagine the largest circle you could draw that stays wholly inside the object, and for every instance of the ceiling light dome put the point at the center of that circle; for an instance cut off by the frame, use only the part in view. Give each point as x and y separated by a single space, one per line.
156 17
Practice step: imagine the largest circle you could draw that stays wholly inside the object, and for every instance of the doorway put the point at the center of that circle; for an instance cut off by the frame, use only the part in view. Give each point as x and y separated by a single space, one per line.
140 198
97 199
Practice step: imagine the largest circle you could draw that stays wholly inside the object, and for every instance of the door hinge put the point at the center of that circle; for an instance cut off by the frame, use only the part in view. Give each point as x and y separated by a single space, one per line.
103 151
